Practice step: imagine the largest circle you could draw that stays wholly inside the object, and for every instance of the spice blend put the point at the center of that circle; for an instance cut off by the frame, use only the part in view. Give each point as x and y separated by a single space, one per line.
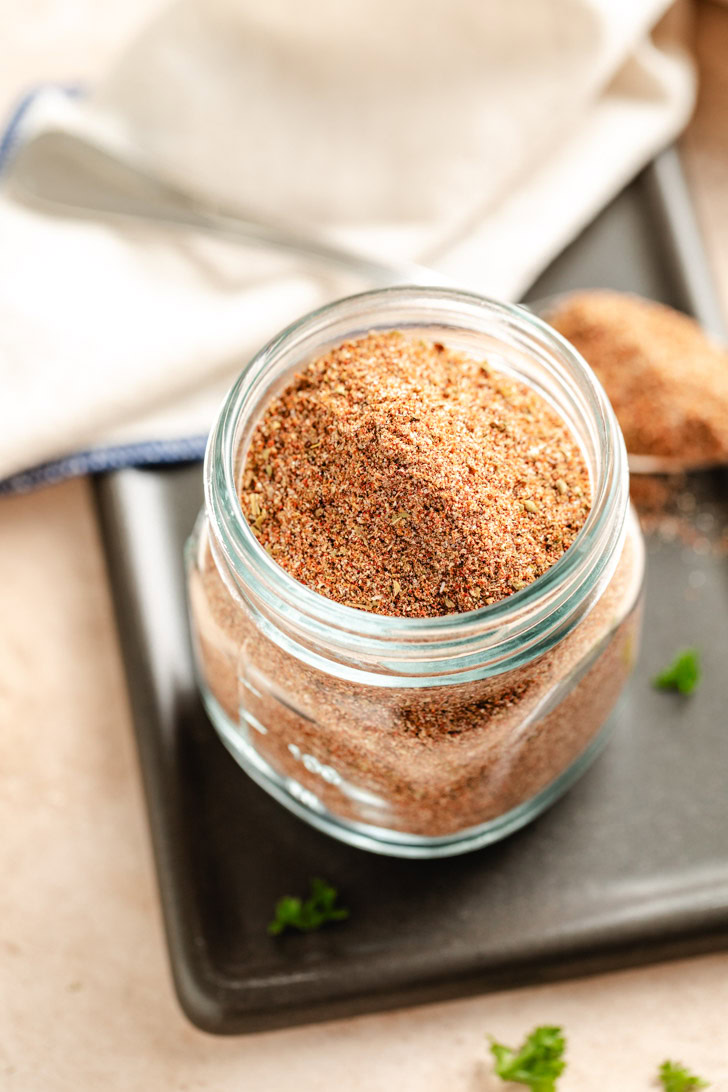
399 476
667 382
404 478
429 761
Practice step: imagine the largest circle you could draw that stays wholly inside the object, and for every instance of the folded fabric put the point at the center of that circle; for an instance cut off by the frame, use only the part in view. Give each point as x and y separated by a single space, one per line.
475 137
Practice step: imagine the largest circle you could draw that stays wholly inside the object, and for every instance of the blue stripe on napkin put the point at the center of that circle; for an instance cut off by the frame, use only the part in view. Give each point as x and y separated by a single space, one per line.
10 134
99 460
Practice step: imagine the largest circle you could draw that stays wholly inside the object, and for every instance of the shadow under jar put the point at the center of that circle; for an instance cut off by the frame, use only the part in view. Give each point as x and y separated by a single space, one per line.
418 737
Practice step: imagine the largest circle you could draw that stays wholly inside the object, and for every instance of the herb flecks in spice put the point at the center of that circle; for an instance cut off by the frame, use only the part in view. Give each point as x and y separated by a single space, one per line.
309 914
396 475
537 1063
674 1077
682 675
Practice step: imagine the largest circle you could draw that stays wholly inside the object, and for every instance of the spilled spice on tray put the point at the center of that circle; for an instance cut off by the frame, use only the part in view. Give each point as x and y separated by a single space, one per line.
399 476
667 381
681 508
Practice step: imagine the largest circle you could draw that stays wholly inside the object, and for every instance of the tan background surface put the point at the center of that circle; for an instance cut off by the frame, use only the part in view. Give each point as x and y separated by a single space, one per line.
85 995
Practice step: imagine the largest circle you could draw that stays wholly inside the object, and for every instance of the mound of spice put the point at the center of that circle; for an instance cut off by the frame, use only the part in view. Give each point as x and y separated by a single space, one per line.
399 476
667 381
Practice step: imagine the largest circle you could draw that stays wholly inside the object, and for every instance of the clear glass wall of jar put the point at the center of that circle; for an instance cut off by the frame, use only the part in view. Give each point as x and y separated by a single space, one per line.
417 737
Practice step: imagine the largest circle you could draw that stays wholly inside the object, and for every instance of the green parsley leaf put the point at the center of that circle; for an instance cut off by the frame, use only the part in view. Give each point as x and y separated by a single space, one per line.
538 1063
308 914
676 1078
683 674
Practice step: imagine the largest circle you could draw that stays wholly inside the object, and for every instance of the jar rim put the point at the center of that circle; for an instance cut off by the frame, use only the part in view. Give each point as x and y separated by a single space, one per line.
522 625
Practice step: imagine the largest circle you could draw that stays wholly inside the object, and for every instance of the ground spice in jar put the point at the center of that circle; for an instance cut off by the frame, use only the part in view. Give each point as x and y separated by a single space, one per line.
429 762
667 382
402 477
399 476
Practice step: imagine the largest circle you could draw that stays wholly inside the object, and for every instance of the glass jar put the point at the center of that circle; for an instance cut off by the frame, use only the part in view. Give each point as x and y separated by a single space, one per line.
417 737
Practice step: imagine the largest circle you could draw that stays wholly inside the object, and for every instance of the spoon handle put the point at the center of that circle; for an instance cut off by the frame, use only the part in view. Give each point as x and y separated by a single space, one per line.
68 173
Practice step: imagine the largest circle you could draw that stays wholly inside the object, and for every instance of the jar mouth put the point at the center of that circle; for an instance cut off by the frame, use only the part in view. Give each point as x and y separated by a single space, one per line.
523 624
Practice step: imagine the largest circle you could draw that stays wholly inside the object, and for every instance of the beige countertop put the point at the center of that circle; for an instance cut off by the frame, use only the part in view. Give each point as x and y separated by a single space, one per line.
86 1000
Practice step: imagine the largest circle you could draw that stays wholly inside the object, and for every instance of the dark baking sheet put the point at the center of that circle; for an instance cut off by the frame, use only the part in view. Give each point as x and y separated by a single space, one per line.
631 866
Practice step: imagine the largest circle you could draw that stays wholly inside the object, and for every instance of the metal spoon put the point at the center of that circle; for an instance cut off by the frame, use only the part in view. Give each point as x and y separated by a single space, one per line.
68 173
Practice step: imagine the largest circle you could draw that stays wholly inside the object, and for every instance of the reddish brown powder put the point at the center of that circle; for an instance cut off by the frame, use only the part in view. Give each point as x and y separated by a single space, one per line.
430 760
667 381
404 478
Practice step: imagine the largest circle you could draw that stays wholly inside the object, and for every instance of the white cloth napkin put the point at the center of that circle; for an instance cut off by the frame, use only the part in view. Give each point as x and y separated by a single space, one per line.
477 136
